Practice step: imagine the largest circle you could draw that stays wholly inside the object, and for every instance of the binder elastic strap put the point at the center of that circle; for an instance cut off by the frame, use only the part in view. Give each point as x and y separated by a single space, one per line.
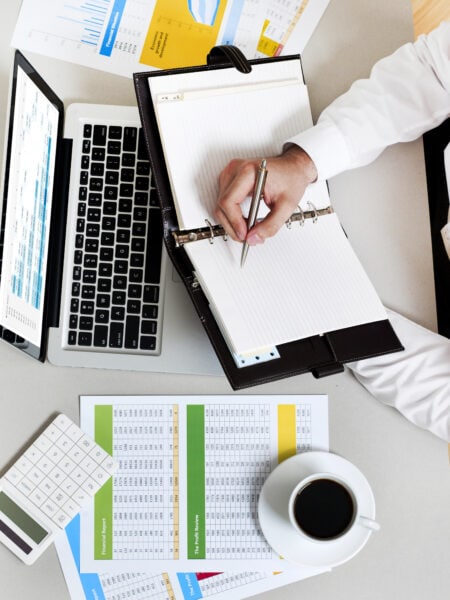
222 55
330 368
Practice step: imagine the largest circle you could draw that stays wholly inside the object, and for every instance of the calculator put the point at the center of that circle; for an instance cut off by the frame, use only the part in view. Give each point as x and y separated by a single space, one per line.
48 485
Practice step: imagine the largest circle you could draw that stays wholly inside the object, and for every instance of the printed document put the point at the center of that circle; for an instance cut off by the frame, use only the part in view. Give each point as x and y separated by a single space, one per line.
190 472
126 36
162 586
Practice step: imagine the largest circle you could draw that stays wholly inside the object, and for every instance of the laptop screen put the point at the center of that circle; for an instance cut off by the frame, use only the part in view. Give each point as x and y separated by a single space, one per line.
34 129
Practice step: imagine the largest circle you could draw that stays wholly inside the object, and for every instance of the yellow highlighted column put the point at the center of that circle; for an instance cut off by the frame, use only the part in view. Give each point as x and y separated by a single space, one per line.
287 431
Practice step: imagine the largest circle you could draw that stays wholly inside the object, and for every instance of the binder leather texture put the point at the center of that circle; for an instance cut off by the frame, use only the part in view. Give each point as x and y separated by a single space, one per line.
435 142
320 355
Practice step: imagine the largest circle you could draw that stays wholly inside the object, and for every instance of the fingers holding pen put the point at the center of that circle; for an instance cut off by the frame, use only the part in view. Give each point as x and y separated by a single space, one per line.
289 174
236 183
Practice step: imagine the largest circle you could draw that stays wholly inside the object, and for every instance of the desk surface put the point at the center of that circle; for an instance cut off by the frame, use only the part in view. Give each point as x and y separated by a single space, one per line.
407 467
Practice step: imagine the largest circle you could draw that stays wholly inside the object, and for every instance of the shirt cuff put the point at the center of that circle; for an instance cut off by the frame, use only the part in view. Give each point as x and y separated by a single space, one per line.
327 148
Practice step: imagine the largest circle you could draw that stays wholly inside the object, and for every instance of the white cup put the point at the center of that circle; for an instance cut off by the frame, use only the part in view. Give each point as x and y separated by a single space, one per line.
323 507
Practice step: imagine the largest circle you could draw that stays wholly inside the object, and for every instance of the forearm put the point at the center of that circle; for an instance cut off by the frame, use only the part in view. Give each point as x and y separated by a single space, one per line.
407 94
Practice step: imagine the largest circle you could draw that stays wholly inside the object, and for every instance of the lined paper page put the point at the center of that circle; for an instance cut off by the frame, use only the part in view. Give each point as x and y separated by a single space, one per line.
304 281
206 128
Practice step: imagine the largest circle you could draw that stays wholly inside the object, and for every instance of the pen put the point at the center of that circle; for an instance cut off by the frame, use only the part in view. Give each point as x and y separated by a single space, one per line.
254 206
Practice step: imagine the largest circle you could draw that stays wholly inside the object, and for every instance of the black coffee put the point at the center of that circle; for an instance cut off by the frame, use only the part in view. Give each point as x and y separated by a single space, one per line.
324 509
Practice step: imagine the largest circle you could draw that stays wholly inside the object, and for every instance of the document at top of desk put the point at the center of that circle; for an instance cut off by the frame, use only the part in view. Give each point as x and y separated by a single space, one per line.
128 35
304 281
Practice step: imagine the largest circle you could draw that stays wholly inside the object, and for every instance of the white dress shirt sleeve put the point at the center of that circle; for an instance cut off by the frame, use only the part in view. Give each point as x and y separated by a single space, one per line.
415 381
406 94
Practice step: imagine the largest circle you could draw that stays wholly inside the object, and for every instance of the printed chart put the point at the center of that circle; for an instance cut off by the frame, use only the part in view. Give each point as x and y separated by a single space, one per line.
190 472
125 36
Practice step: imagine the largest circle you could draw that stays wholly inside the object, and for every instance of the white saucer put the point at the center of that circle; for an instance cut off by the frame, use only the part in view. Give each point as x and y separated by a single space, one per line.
274 518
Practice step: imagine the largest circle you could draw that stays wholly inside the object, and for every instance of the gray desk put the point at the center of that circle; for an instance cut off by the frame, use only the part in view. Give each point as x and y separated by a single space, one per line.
384 210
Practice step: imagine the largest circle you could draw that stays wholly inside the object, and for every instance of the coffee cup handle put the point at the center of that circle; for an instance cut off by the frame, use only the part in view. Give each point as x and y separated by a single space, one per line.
368 523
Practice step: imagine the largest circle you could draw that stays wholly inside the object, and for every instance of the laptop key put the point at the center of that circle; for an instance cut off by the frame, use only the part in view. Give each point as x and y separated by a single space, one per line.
118 313
116 335
99 138
130 139
101 336
85 338
147 342
132 332
98 154
86 323
115 132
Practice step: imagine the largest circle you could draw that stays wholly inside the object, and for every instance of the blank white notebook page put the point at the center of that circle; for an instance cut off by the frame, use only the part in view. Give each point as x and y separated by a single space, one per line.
302 282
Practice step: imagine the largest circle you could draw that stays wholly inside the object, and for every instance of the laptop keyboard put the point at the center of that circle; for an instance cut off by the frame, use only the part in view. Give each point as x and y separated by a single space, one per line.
116 280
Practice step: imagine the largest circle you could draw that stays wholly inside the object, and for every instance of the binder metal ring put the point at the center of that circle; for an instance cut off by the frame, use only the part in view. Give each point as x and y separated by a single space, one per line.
211 231
314 211
302 216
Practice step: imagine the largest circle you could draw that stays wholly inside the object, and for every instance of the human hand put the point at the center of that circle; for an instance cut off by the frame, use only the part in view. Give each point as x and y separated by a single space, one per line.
288 176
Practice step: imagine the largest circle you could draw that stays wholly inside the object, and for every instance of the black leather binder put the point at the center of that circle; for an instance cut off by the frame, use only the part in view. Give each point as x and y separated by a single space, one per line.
320 354
435 142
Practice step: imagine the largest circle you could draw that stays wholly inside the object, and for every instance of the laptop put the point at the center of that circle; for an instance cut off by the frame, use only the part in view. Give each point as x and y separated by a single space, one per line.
84 277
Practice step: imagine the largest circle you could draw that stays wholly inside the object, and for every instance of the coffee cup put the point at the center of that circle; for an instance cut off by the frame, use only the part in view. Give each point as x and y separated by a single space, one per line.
323 507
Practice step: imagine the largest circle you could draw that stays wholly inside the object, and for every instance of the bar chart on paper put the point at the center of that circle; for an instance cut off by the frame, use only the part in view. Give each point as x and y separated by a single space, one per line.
125 36
104 34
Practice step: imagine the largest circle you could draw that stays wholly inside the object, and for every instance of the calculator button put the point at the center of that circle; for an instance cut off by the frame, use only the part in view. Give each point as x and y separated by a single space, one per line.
71 507
64 443
33 454
86 443
88 464
62 422
59 498
100 475
109 464
61 518
78 475
47 486
25 486
49 508
98 454
74 433
52 433
81 497
37 497
57 475
36 476
24 465
91 486
13 475
76 454
68 486
45 465
43 443
55 454
67 465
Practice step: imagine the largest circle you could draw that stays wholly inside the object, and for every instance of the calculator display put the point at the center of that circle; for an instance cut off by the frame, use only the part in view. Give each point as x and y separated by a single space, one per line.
23 521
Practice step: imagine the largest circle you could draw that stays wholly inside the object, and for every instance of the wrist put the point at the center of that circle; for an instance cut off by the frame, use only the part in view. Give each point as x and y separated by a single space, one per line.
302 161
